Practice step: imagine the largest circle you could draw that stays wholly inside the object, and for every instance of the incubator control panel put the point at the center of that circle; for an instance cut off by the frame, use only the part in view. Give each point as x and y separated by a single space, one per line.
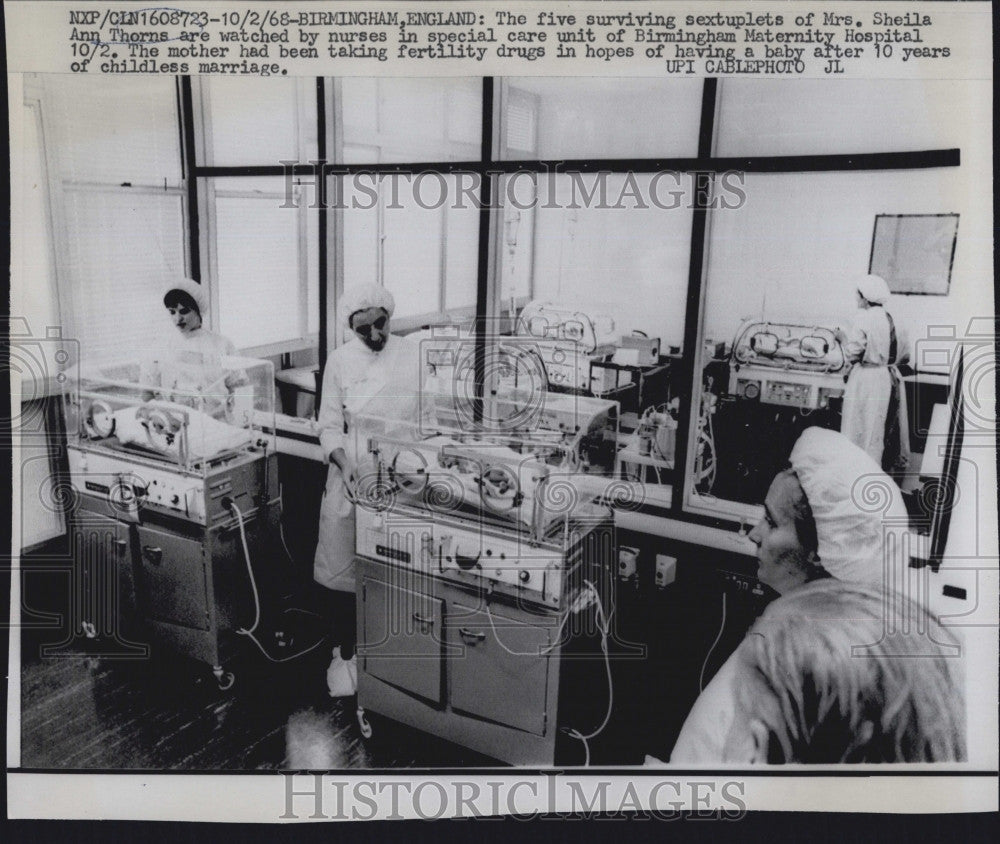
128 485
566 365
779 392
804 390
462 554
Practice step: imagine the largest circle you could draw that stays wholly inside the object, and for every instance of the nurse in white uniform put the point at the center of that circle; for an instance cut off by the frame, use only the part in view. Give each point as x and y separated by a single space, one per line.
191 360
869 344
373 373
816 526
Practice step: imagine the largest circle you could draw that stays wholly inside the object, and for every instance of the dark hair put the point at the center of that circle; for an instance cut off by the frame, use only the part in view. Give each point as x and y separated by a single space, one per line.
805 522
182 298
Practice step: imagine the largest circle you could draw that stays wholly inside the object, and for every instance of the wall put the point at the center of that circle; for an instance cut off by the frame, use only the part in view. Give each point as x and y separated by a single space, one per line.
630 263
800 237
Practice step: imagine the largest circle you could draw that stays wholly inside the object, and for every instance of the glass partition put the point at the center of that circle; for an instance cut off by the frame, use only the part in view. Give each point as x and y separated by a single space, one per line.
415 233
594 269
592 117
780 281
410 120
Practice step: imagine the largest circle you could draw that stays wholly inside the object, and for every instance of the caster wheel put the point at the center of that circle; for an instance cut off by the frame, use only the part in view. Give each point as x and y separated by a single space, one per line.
364 725
225 679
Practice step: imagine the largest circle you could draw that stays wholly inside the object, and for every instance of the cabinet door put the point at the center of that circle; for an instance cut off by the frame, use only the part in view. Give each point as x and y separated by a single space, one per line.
103 581
401 644
95 542
501 670
172 581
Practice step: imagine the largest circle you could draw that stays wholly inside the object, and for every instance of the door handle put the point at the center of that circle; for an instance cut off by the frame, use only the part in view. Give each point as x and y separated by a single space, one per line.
471 637
154 555
121 546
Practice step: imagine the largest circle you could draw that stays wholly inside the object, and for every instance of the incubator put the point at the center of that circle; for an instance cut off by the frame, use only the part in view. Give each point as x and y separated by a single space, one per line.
508 486
476 543
187 415
568 340
797 365
173 471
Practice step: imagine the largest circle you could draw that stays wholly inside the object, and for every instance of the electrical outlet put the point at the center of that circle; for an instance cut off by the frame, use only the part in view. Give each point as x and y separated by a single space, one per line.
627 562
741 584
666 570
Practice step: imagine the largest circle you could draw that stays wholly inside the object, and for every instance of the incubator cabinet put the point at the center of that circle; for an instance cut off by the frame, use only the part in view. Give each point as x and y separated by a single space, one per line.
174 486
478 546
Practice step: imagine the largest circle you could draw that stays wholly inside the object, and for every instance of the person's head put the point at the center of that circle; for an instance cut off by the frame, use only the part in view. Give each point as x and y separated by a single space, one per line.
185 302
787 545
368 310
821 680
871 290
827 515
372 326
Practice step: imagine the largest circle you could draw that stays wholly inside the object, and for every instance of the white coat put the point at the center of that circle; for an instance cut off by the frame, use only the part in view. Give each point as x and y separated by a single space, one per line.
190 363
866 397
357 380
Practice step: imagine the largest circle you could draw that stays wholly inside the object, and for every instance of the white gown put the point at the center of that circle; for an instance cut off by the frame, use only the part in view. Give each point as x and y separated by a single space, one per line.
866 398
706 728
357 380
189 366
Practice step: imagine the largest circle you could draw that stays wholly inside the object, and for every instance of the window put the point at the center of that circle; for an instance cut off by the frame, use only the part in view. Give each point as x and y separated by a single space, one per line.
415 234
817 116
261 233
118 204
593 117
779 270
259 258
252 122
415 229
387 120
602 250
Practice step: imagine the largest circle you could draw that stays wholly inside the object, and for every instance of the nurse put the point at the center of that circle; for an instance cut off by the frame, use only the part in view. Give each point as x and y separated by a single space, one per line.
191 362
185 302
874 405
816 526
373 373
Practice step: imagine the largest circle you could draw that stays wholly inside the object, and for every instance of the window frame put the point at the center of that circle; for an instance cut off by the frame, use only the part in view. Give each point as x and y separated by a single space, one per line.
203 179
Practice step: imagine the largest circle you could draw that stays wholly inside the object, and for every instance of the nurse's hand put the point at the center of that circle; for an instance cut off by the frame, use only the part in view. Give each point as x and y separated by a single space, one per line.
236 379
338 458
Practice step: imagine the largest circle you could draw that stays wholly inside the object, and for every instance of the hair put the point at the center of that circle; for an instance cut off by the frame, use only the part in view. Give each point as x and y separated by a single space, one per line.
175 297
805 529
819 700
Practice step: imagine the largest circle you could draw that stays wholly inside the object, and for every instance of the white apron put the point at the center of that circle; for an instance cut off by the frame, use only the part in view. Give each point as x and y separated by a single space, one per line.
866 397
866 404
356 381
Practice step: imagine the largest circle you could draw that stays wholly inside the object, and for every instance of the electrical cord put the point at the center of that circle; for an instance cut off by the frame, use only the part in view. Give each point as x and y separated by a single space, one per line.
575 607
249 633
496 635
704 665
281 524
605 629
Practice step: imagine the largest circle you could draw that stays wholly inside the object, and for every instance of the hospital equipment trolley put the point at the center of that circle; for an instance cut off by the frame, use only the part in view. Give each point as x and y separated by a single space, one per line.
175 505
479 559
